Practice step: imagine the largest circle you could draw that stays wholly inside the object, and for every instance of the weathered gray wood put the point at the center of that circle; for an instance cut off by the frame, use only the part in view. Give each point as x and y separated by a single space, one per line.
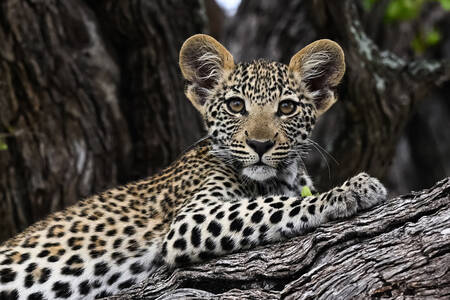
400 248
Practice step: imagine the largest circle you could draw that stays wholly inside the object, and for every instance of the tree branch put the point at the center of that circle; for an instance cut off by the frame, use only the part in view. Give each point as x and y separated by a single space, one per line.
401 247
428 71
431 72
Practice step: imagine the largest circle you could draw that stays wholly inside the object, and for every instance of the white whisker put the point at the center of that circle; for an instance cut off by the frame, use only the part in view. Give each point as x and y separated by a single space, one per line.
323 149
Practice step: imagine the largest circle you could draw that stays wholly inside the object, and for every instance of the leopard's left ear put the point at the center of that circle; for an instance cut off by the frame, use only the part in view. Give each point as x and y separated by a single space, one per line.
204 62
321 66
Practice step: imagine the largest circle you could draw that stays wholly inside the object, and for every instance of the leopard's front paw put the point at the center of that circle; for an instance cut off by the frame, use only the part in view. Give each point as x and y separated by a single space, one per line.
357 193
367 191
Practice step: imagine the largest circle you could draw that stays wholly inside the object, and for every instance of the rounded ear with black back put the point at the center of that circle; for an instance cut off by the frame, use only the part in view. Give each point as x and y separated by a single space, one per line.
204 62
320 66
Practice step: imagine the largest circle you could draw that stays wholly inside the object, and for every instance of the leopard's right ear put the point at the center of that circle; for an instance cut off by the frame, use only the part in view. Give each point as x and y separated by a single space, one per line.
320 66
204 62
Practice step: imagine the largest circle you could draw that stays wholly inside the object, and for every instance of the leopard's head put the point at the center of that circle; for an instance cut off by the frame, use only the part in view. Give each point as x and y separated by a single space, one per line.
260 114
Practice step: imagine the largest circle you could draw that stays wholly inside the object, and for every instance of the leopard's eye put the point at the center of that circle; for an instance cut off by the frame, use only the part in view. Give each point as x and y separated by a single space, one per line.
287 107
236 105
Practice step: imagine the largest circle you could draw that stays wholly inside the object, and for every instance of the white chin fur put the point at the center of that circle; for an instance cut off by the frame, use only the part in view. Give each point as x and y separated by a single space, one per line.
259 173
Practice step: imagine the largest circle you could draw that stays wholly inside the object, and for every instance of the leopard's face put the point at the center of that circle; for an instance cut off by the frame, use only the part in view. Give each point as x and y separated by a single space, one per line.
260 119
260 114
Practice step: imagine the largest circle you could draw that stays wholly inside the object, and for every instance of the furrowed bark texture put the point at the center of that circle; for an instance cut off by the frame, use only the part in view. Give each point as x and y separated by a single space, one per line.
400 248
377 97
88 104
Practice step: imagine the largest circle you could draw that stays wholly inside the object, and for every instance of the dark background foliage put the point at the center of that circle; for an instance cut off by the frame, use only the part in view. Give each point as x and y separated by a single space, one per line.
91 95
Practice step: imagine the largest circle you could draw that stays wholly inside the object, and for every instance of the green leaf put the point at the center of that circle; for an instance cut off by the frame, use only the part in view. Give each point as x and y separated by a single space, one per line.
3 146
445 4
433 37
425 40
368 4
401 10
306 191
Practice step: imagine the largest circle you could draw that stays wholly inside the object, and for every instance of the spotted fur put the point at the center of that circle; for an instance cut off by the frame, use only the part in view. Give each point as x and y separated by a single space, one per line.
238 188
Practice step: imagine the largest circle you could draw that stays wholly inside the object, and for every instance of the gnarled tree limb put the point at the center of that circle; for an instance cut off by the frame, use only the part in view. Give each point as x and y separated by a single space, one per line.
399 248
427 72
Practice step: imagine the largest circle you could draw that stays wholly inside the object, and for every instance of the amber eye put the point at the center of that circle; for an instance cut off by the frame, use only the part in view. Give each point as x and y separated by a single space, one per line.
236 105
287 107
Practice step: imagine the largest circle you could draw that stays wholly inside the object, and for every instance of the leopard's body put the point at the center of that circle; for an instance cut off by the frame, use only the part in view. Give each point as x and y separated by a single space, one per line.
236 189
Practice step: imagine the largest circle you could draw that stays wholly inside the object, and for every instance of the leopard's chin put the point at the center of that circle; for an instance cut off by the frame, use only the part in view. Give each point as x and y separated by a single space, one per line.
259 172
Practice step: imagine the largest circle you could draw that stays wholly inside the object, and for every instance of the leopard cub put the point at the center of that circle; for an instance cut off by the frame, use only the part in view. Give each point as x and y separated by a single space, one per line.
238 188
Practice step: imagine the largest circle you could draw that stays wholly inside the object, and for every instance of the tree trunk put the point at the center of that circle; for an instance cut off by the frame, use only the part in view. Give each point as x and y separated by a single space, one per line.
379 93
399 249
90 97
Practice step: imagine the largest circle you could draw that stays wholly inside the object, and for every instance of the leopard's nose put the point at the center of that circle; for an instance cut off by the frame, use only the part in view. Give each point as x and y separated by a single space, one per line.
260 147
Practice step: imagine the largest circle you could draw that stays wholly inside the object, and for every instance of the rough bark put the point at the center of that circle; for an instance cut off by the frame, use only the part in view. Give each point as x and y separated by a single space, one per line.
90 97
398 249
379 94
